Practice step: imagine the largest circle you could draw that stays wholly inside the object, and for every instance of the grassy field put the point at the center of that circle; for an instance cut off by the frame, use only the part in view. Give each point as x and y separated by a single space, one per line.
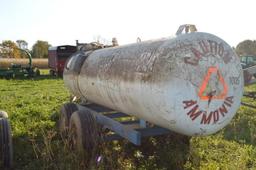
33 107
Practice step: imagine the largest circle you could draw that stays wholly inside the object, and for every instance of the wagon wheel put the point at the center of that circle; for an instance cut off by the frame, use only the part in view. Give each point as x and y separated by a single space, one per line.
9 76
37 72
65 113
59 74
85 136
52 73
6 154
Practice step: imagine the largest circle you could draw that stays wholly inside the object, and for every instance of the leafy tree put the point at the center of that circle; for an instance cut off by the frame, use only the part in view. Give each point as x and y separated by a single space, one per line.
246 47
22 44
40 49
8 49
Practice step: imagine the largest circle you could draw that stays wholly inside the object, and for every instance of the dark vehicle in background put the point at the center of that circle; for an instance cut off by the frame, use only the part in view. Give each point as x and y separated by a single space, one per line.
57 57
248 61
19 71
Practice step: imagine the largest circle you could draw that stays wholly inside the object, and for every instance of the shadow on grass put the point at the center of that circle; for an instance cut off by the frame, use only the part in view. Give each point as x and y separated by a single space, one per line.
50 152
23 152
48 77
155 153
242 128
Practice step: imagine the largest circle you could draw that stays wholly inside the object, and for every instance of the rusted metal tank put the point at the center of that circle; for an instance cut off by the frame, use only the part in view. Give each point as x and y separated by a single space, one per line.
191 84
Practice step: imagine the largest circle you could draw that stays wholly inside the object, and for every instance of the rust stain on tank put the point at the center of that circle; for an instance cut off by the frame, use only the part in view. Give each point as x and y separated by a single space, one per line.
126 65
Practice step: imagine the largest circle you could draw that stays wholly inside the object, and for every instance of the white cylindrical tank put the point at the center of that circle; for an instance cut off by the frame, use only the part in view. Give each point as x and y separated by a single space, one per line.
191 84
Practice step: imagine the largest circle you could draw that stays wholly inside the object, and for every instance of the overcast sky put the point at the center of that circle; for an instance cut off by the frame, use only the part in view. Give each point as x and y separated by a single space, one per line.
63 21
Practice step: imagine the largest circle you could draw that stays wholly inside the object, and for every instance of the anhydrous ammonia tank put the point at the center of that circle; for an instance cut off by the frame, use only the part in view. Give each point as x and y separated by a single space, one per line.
191 84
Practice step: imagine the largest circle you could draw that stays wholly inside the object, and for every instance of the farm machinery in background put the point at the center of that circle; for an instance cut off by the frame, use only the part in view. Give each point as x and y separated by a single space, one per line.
19 71
58 55
249 79
248 61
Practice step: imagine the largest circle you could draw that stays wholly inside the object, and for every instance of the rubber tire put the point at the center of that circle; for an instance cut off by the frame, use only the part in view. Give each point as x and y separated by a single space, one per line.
52 73
6 144
59 74
65 113
85 134
8 77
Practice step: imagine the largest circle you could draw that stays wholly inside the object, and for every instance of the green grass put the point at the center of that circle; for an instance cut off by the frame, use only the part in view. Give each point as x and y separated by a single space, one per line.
44 71
33 107
30 104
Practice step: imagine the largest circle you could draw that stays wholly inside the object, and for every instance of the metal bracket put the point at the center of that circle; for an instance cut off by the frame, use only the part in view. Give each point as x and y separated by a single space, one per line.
132 130
187 28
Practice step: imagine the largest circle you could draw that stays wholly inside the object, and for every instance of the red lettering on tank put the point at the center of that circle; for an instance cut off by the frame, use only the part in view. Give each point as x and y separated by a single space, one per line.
189 103
227 104
221 50
194 112
213 46
206 119
215 116
223 110
191 61
230 99
206 48
197 53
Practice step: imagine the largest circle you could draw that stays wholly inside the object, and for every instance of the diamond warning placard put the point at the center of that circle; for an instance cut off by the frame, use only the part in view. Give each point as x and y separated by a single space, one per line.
206 81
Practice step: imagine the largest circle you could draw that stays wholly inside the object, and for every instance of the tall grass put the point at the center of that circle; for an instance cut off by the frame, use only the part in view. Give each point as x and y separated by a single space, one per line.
33 107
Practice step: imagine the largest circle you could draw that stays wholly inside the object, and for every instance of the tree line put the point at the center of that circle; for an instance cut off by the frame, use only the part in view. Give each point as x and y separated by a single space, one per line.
11 49
246 47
